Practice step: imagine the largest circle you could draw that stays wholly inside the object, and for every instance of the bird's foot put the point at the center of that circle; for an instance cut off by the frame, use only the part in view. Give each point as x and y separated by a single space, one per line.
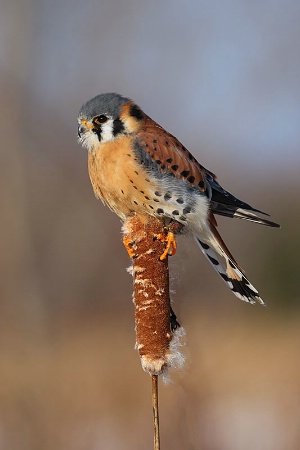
128 244
170 244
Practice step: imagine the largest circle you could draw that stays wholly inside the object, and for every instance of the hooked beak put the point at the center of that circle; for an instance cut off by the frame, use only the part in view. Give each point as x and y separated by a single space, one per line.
83 127
81 130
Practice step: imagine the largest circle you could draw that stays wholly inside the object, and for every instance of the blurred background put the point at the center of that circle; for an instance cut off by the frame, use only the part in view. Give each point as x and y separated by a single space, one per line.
223 76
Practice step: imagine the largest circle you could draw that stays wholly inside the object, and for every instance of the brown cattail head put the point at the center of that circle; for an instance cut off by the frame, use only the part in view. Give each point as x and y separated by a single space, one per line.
155 341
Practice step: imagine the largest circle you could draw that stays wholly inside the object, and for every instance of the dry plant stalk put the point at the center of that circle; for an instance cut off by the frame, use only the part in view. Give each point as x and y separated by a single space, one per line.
156 343
155 411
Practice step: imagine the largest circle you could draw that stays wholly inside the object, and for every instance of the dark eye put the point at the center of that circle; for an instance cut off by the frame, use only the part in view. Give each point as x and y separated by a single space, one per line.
100 119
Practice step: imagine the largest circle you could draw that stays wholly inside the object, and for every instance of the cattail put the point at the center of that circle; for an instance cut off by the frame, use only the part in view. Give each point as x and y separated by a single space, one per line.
145 240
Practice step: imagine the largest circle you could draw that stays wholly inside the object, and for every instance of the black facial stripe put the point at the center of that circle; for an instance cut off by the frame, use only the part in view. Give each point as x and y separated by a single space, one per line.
97 131
136 112
118 127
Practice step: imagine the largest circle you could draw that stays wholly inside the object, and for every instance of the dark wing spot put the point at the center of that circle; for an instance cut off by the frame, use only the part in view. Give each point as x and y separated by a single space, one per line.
154 141
136 203
175 212
169 160
180 200
191 158
184 173
174 167
187 210
167 196
163 167
136 112
150 206
159 194
158 161
159 211
191 179
201 184
136 172
156 200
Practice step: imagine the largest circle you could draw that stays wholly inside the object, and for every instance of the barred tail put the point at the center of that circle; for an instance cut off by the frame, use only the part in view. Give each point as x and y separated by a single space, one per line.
231 273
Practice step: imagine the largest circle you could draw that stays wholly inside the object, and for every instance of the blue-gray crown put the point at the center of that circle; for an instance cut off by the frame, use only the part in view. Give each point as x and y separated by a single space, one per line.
108 104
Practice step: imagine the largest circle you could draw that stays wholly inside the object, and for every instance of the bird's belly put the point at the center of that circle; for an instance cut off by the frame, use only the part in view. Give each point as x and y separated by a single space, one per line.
121 183
127 188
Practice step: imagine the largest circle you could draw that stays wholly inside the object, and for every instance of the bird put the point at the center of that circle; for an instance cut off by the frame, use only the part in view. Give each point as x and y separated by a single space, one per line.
137 167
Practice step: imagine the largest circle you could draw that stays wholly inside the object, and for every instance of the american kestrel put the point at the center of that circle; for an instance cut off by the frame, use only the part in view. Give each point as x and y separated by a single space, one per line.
136 166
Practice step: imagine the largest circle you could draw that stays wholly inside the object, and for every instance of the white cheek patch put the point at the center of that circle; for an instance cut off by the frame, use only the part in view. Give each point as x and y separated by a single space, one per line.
107 131
90 139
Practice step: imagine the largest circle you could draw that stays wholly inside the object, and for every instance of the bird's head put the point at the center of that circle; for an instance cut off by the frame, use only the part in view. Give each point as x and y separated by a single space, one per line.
107 117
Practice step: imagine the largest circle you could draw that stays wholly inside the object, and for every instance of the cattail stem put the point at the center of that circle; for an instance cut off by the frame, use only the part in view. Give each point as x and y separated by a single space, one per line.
155 412
157 331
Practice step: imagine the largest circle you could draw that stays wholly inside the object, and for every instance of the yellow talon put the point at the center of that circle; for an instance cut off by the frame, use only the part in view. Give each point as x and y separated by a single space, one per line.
171 244
128 245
